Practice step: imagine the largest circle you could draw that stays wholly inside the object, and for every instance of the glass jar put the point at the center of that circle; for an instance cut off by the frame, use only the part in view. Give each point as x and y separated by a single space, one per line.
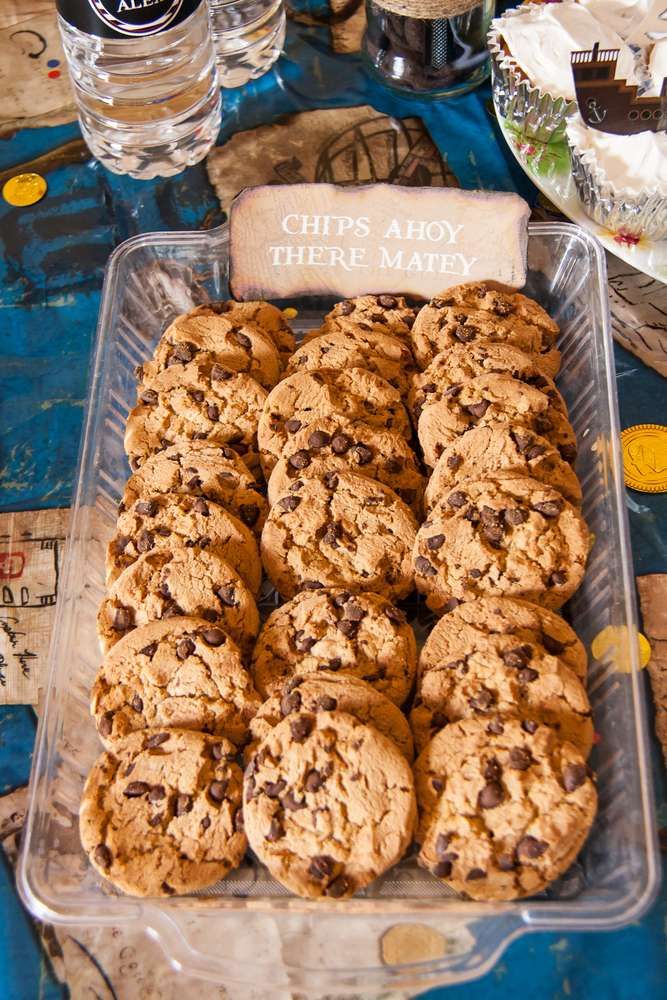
429 47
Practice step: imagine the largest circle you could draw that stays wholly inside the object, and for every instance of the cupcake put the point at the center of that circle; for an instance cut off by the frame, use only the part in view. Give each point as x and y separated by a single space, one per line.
530 47
621 180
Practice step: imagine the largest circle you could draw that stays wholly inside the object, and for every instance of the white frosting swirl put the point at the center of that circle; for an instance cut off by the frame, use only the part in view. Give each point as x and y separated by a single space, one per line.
657 65
633 163
540 38
619 15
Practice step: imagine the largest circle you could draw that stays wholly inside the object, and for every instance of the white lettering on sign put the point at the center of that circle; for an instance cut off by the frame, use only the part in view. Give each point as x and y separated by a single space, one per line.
322 239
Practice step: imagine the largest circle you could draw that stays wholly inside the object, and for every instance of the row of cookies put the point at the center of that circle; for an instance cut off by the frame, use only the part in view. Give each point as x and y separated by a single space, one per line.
161 811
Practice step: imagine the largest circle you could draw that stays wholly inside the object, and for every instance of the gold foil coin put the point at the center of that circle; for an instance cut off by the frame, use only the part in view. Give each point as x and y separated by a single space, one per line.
645 457
24 189
613 643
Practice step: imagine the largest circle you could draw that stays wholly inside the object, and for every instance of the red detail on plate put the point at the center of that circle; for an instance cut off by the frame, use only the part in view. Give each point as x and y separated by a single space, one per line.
11 565
54 74
627 239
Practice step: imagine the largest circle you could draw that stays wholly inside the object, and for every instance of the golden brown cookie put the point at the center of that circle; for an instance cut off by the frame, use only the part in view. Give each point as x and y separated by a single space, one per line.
331 443
162 814
359 635
182 581
200 469
196 403
456 365
380 353
382 313
504 807
329 692
271 319
166 519
511 537
486 311
211 338
180 672
501 450
329 804
493 399
340 530
307 396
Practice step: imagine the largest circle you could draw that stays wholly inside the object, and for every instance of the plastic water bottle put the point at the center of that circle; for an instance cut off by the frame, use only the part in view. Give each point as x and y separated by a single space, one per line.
145 81
248 35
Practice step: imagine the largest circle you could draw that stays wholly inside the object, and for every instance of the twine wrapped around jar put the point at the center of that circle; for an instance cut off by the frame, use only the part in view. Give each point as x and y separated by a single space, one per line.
427 10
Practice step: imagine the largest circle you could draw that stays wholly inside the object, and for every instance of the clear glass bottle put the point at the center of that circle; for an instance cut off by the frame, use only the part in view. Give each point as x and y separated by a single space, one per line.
429 47
248 35
145 82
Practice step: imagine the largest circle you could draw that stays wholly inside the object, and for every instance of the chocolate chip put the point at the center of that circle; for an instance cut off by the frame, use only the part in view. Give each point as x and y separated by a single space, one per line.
530 848
156 740
518 657
520 759
492 769
327 703
164 589
506 862
149 397
227 596
123 619
482 701
475 574
291 803
105 725
335 664
568 452
290 702
424 567
312 585
474 874
183 805
394 465
387 301
289 503
238 820
313 780
220 374
276 830
218 752
341 443
157 793
464 334
304 643
136 703
362 454
534 452
574 775
217 790
529 726
205 823
337 888
527 675
145 541
495 728
435 542
301 728
149 650
147 508
514 516
201 507
552 645
331 533
438 785
457 499
318 439
197 395
242 339
213 636
348 628
292 425
194 484
549 508
395 615
184 648
102 856
450 605
136 789
345 308
274 789
557 579
442 869
442 843
454 461
330 480
477 410
321 866
300 459
249 514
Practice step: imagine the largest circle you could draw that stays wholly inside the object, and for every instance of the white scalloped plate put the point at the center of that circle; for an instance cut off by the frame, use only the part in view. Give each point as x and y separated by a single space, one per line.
548 167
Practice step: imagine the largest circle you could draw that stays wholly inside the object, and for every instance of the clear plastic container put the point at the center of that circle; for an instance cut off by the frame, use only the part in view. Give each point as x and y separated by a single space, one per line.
248 36
248 929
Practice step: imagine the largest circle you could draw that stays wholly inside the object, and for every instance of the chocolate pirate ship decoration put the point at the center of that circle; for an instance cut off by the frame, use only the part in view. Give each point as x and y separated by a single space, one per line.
611 105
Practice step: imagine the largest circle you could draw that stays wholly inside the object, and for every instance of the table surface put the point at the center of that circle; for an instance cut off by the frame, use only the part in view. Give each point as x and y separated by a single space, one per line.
51 269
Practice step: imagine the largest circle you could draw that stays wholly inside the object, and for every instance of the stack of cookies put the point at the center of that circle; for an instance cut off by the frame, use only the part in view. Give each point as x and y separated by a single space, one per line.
327 704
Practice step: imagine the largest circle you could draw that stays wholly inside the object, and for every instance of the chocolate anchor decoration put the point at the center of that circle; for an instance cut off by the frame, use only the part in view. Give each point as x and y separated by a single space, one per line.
611 105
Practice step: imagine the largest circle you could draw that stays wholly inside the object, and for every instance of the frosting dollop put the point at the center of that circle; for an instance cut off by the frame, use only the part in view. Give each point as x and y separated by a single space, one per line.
633 163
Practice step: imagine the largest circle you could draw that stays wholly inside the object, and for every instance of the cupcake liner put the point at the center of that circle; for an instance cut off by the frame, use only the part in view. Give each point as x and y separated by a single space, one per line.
625 213
535 112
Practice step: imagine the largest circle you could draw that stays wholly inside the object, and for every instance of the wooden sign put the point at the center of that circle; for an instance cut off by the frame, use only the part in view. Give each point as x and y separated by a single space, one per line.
320 239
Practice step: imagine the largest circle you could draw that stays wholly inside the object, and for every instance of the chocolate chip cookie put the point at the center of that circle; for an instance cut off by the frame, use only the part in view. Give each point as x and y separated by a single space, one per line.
493 399
329 804
331 443
512 537
200 469
382 313
212 338
307 396
160 521
359 635
328 692
161 815
523 681
271 319
501 625
340 530
481 311
180 672
380 353
501 450
456 365
504 807
196 403
182 581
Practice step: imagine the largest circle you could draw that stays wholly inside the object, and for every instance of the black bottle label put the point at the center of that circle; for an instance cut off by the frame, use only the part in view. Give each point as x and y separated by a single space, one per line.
125 18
